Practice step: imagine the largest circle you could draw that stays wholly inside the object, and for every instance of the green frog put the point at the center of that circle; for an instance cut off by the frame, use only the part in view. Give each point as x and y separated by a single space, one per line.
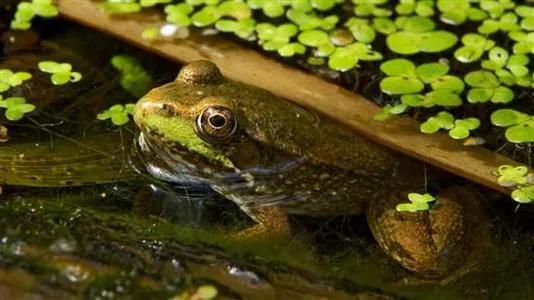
274 158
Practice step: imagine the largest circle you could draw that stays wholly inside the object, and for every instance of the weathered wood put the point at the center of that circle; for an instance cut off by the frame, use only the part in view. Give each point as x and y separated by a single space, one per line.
251 67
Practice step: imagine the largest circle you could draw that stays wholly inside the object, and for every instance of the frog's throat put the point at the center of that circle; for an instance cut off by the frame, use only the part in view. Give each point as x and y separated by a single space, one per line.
176 131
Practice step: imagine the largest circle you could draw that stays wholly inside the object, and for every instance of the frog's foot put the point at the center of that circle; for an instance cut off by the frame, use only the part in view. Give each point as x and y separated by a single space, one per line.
273 223
447 241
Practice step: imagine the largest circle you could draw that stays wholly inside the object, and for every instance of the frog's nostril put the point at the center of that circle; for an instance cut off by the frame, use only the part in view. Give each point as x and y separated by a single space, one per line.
167 110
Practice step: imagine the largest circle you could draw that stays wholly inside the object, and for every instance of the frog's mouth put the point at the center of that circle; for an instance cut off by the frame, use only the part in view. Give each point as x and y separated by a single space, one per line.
171 161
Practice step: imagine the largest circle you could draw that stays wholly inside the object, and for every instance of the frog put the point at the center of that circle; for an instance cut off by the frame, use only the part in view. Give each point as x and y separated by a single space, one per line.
275 159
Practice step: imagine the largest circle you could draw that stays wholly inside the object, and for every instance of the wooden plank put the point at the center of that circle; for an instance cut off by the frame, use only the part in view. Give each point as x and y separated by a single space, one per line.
251 67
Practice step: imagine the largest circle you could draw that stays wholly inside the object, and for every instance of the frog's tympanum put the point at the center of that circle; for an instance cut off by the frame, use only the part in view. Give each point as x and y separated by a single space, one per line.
274 159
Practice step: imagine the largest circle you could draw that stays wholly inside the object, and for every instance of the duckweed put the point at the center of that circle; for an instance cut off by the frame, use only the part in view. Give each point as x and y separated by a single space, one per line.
61 72
519 126
118 114
418 202
512 176
26 11
486 87
15 107
519 178
9 79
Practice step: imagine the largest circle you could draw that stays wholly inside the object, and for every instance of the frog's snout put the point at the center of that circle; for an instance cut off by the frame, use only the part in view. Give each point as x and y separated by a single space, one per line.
147 107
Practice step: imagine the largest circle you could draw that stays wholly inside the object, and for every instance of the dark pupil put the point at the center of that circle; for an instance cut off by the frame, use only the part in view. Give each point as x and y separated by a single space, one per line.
217 121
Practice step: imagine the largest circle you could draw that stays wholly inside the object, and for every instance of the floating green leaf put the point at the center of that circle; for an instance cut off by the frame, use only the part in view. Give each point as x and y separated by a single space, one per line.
16 107
61 72
118 113
418 202
178 14
347 57
10 79
523 194
486 87
512 176
520 126
243 28
413 42
26 11
443 120
474 46
273 37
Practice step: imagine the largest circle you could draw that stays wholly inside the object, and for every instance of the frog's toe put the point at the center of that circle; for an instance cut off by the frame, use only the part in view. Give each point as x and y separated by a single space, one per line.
445 241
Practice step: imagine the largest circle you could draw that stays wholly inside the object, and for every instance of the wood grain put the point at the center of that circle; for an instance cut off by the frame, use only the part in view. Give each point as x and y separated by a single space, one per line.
251 67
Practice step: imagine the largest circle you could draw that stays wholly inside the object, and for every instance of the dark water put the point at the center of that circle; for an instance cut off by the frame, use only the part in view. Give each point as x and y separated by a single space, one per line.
143 239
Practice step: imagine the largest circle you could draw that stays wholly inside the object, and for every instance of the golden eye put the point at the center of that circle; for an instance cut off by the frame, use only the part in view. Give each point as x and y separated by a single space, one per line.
216 124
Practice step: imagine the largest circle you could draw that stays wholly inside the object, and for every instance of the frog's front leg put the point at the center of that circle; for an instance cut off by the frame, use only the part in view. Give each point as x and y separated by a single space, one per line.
445 241
273 223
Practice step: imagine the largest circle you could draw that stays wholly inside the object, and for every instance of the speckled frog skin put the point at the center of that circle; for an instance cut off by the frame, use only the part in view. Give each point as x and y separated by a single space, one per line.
274 158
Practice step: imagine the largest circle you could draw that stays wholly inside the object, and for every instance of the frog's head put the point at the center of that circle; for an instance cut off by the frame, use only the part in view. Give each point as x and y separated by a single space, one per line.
194 121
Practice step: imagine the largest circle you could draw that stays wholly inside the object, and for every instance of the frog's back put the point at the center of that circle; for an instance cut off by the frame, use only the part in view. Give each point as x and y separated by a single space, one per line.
320 139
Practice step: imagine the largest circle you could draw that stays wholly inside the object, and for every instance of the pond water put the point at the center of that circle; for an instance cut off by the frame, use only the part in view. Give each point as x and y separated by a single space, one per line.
140 238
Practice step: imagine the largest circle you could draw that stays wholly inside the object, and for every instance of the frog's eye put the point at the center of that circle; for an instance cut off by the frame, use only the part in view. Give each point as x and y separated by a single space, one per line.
216 124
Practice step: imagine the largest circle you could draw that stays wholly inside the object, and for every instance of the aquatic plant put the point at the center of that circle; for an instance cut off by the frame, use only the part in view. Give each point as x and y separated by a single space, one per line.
443 120
519 126
524 42
347 57
361 30
61 72
134 78
178 14
366 8
474 46
26 11
507 22
307 20
9 79
275 37
458 11
15 107
527 15
118 114
243 28
405 78
512 176
486 87
418 35
523 194
418 202
462 128
518 177
458 129
424 8
511 69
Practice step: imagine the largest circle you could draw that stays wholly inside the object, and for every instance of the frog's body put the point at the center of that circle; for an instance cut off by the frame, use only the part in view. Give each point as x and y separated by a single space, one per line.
285 156
274 158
